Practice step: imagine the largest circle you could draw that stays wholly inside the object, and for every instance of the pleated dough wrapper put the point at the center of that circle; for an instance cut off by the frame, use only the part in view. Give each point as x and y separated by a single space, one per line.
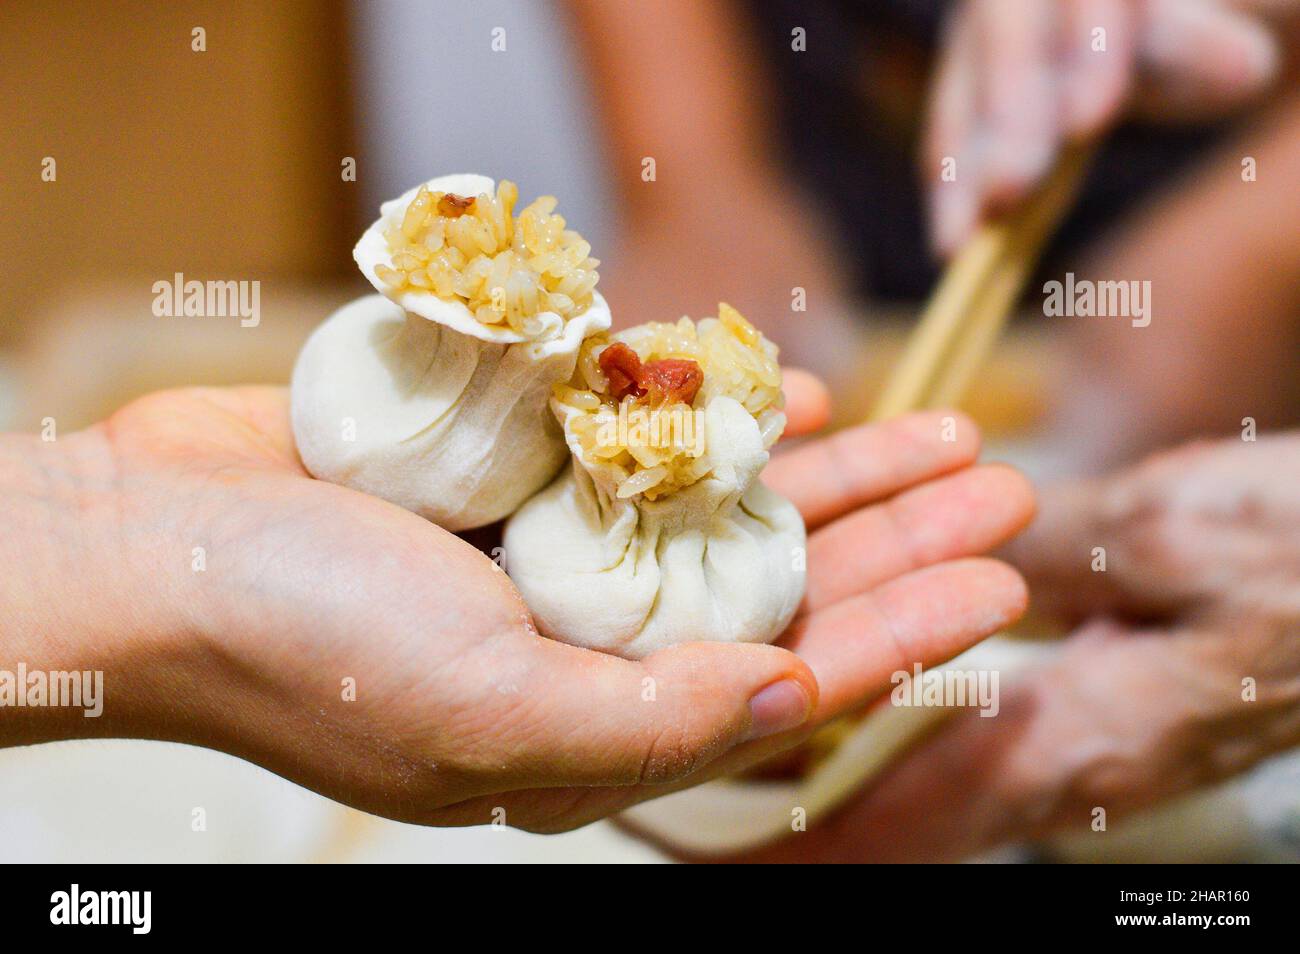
721 559
372 251
449 426
416 401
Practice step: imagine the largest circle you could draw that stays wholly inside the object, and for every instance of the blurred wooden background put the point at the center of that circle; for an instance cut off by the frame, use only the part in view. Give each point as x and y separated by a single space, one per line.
222 164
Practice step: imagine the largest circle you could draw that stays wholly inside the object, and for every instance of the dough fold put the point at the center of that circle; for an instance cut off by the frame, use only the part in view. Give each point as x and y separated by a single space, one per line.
719 560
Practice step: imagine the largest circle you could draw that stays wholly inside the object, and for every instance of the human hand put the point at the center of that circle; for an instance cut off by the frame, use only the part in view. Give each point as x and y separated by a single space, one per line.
894 512
460 708
1201 589
1017 80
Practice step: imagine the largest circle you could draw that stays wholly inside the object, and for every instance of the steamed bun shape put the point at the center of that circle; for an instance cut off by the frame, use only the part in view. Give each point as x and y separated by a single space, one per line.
720 558
445 267
434 394
448 426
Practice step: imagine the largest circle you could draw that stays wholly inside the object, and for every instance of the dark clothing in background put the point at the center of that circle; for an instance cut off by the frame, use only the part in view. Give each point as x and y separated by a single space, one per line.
850 111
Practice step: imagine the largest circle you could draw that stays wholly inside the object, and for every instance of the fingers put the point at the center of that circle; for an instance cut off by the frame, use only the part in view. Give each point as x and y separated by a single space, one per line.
807 402
951 162
964 514
860 465
1099 45
993 128
1102 547
1017 79
854 647
1202 525
926 616
1017 95
1200 57
1125 718
604 735
1067 554
584 718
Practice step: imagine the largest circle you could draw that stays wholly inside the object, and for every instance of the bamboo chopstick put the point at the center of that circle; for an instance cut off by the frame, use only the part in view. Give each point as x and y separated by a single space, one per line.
970 307
962 322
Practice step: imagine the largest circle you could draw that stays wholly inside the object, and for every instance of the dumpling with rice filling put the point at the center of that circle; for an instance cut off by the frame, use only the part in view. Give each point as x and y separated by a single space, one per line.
661 532
434 395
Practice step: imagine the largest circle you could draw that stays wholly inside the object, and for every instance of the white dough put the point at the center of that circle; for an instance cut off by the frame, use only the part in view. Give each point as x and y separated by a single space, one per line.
452 427
414 400
372 251
720 560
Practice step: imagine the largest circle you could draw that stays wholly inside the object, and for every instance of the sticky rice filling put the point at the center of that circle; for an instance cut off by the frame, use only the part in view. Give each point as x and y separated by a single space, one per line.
507 269
639 418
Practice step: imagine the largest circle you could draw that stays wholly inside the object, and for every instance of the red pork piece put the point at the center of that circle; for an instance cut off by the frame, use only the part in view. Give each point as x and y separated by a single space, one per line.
670 380
662 381
454 206
623 369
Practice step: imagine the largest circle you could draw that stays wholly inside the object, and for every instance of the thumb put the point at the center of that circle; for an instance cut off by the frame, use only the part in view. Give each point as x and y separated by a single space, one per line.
610 721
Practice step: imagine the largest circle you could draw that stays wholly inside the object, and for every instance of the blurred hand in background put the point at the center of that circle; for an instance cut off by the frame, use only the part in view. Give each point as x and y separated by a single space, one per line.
708 214
1184 671
1220 251
1016 80
758 197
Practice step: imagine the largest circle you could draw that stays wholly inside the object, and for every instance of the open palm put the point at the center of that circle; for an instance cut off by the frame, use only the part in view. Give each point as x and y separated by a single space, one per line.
367 654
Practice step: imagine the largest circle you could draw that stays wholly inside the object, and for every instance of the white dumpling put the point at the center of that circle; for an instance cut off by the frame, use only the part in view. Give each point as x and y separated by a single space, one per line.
719 559
374 255
451 427
372 252
417 399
